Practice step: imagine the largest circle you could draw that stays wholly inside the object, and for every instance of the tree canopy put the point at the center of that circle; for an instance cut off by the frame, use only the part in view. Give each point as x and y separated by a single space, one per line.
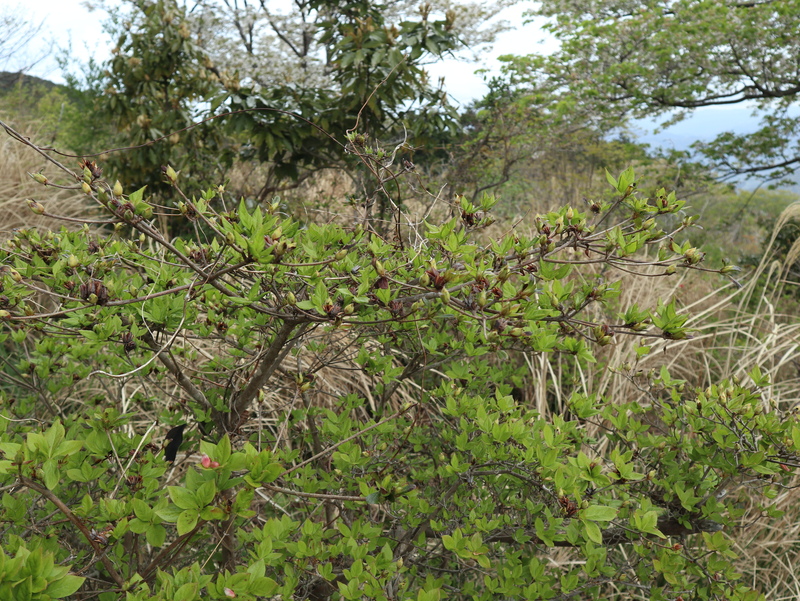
669 57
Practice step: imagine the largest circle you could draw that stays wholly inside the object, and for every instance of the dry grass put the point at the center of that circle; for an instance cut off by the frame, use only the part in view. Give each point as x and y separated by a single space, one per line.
16 162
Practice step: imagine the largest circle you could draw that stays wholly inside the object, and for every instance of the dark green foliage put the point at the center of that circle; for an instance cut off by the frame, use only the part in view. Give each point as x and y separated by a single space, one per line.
154 91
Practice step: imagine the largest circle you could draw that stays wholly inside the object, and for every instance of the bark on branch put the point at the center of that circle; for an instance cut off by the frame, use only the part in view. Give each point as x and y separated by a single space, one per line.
76 521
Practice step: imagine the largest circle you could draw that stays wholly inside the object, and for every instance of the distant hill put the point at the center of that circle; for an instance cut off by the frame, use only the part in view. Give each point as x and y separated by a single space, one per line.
9 81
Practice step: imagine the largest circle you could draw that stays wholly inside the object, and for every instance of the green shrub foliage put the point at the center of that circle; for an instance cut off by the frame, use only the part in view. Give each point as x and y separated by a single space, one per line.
351 432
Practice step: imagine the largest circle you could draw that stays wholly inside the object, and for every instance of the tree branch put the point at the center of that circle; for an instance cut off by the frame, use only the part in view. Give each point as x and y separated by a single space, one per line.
270 361
101 553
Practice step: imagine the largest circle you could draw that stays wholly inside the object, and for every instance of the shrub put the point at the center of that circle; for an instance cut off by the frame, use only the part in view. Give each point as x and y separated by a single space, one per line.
351 431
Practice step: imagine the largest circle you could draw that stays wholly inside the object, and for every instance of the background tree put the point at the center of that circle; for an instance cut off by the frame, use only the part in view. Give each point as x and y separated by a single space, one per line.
374 79
288 43
670 57
17 33
153 94
526 141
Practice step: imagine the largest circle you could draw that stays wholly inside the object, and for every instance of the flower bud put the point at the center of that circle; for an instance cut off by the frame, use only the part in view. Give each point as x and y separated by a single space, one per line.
73 261
693 256
117 188
4 314
38 177
35 207
348 310
505 272
445 294
171 174
291 299
87 189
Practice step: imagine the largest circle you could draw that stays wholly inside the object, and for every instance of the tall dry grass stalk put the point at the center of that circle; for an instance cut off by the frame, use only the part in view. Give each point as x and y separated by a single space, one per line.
16 186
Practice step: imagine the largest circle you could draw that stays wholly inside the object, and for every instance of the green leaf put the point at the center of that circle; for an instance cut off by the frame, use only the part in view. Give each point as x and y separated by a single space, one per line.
183 498
593 531
142 510
187 592
612 180
64 587
206 493
600 513
262 586
187 520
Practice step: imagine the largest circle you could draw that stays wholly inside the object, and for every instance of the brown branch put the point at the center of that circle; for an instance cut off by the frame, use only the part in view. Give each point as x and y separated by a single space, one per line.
183 380
313 495
175 545
270 361
99 551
